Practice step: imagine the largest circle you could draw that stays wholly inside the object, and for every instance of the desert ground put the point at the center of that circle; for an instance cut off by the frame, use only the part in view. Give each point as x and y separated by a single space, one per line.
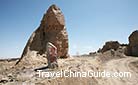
14 75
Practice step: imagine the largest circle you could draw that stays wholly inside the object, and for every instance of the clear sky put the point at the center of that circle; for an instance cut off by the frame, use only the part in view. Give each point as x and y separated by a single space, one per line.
90 23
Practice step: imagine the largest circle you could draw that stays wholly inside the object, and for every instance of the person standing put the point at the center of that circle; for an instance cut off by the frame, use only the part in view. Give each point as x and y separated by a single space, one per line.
51 55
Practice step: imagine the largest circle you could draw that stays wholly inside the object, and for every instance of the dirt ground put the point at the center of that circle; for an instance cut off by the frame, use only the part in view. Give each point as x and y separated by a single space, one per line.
12 75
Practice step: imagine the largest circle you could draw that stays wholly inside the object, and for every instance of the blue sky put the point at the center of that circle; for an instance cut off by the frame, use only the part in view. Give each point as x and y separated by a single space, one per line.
90 23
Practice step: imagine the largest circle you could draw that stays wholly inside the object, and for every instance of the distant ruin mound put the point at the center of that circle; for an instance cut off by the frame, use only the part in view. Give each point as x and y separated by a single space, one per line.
132 49
110 45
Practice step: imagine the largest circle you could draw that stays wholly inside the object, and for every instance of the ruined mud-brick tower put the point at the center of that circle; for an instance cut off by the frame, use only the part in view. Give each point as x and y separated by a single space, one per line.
52 29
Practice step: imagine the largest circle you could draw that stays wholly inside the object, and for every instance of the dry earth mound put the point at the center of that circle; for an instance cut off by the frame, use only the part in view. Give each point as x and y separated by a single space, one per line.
52 29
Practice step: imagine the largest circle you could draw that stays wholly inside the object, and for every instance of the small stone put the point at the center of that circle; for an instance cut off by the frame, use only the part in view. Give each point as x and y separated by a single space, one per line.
4 80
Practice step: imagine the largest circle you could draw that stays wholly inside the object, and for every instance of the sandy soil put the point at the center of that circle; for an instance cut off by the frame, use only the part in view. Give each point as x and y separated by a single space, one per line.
11 75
